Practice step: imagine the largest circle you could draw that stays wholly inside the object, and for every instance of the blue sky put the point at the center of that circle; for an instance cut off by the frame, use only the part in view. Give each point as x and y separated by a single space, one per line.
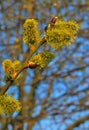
49 122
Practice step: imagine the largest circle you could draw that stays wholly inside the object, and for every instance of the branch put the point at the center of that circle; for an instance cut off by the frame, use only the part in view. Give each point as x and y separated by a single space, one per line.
67 73
78 122
9 83
39 45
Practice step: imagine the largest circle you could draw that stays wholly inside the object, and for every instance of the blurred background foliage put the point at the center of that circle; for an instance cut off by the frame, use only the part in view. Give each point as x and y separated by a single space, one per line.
58 96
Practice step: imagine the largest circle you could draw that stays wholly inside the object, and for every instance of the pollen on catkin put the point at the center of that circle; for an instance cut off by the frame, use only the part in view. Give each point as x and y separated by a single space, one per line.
42 59
11 68
17 65
8 67
61 34
30 32
9 105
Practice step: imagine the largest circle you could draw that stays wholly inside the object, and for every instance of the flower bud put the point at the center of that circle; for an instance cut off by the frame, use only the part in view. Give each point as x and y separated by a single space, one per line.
32 65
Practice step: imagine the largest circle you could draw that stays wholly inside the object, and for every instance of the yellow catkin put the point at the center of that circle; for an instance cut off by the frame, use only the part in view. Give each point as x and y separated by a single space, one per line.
11 68
61 34
42 59
17 65
8 67
30 32
9 105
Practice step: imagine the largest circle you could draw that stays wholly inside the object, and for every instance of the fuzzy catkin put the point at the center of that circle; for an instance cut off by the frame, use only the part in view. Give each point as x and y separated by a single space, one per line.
11 68
30 32
42 59
9 105
61 34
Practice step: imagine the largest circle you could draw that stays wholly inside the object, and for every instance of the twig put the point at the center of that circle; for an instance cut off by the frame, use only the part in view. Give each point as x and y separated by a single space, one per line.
10 82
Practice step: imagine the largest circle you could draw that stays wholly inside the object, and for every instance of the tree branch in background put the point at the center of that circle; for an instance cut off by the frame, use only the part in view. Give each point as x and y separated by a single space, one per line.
25 66
78 122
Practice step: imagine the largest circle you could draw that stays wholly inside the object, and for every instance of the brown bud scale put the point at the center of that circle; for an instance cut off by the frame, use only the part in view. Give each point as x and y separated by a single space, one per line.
32 65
